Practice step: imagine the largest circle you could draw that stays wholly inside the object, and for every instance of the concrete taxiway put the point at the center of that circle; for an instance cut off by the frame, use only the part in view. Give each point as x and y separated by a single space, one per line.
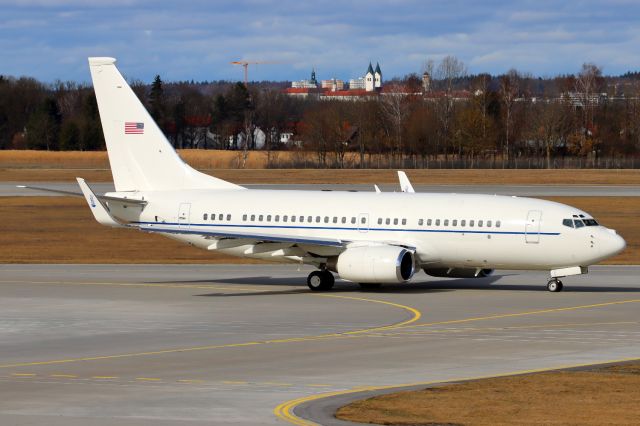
227 344
9 189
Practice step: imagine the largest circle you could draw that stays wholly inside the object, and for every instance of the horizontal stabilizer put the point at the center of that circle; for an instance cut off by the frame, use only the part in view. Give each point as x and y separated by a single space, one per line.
123 200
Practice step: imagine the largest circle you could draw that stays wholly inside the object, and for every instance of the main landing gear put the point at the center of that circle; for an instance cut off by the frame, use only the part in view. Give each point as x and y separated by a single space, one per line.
554 285
320 280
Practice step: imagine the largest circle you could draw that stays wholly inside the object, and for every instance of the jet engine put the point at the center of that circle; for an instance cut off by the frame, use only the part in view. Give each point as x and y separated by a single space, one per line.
374 264
458 272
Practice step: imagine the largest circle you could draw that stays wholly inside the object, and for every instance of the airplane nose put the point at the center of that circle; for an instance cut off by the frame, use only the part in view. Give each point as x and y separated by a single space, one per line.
613 244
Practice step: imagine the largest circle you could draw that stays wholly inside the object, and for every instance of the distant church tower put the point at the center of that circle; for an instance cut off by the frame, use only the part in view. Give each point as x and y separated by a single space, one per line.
313 80
378 76
369 77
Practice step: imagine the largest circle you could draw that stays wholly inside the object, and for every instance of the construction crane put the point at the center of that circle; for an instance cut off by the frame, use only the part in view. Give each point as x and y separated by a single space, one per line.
245 65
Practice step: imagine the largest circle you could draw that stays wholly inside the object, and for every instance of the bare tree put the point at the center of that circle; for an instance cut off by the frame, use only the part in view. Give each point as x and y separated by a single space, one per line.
509 88
448 71
587 85
395 107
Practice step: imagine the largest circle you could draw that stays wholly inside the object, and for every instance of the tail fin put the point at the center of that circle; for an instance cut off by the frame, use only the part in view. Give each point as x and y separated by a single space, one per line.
141 157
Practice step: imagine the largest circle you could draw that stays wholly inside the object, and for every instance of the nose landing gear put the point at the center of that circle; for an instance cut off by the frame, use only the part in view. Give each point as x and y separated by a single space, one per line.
320 280
554 285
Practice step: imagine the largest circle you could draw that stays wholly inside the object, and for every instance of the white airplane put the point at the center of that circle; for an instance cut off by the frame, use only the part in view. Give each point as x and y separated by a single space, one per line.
366 237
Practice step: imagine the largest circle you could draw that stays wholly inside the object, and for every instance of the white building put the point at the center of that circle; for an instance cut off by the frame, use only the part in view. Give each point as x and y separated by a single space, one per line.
333 84
357 83
312 83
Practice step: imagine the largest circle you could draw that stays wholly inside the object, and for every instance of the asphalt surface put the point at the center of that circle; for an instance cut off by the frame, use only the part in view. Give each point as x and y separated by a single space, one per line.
9 189
226 344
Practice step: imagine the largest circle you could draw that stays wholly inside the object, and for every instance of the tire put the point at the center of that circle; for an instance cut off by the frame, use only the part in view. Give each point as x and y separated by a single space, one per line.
320 281
554 286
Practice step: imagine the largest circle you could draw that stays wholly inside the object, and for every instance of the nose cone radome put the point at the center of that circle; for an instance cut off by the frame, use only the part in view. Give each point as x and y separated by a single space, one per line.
613 244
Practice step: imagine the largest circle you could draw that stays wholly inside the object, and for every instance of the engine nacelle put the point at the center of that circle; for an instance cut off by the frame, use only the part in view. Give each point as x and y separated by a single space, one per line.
374 264
458 272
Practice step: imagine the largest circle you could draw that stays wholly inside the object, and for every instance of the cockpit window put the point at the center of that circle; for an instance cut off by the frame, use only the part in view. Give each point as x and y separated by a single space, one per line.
567 222
578 223
590 222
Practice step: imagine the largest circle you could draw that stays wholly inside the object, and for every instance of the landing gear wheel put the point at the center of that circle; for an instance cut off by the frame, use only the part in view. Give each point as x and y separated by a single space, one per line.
554 285
320 280
370 286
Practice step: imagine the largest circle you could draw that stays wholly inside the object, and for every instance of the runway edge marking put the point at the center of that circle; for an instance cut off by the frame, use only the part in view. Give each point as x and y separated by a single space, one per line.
285 411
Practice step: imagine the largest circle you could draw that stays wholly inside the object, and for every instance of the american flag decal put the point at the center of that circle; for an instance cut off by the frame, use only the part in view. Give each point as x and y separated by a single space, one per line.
133 128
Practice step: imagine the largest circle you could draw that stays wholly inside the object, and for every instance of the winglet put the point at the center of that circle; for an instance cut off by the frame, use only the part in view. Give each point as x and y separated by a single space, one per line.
376 188
405 184
98 209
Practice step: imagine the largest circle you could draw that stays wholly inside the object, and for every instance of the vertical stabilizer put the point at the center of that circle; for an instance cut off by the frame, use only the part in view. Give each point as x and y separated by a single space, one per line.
141 157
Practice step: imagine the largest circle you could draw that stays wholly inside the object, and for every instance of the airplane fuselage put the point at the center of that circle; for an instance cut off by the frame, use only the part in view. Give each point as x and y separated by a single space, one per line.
446 230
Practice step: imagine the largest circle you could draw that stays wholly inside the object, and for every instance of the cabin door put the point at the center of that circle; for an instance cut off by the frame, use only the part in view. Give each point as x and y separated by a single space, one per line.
184 213
532 227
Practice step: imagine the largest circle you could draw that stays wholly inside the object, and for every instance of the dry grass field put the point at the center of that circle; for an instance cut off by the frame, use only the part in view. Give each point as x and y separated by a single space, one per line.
609 395
30 166
62 230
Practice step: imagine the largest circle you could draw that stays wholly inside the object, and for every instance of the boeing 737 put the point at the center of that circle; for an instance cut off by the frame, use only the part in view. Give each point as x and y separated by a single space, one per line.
365 237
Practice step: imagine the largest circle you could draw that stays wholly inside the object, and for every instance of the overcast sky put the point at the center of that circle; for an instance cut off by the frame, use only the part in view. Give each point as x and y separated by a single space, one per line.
196 39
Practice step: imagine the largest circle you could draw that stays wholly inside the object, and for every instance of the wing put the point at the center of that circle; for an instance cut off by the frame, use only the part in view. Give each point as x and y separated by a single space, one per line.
405 183
248 236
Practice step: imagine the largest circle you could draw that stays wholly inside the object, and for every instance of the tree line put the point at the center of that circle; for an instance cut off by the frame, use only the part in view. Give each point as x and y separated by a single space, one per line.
451 119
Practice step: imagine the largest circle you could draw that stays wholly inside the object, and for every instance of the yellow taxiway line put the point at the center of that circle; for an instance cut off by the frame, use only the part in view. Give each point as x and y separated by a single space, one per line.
285 410
415 316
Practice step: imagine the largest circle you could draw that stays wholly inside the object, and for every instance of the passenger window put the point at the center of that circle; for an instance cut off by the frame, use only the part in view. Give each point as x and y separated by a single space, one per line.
220 216
455 222
318 219
446 222
301 219
379 221
253 217
428 222
293 218
437 222
420 222
344 219
567 222
268 218
310 219
404 221
353 220
244 217
471 222
488 224
260 218
228 217
326 219
497 224
363 220
277 218
479 224
395 221
284 218
387 221
205 216
335 219
463 222
578 223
